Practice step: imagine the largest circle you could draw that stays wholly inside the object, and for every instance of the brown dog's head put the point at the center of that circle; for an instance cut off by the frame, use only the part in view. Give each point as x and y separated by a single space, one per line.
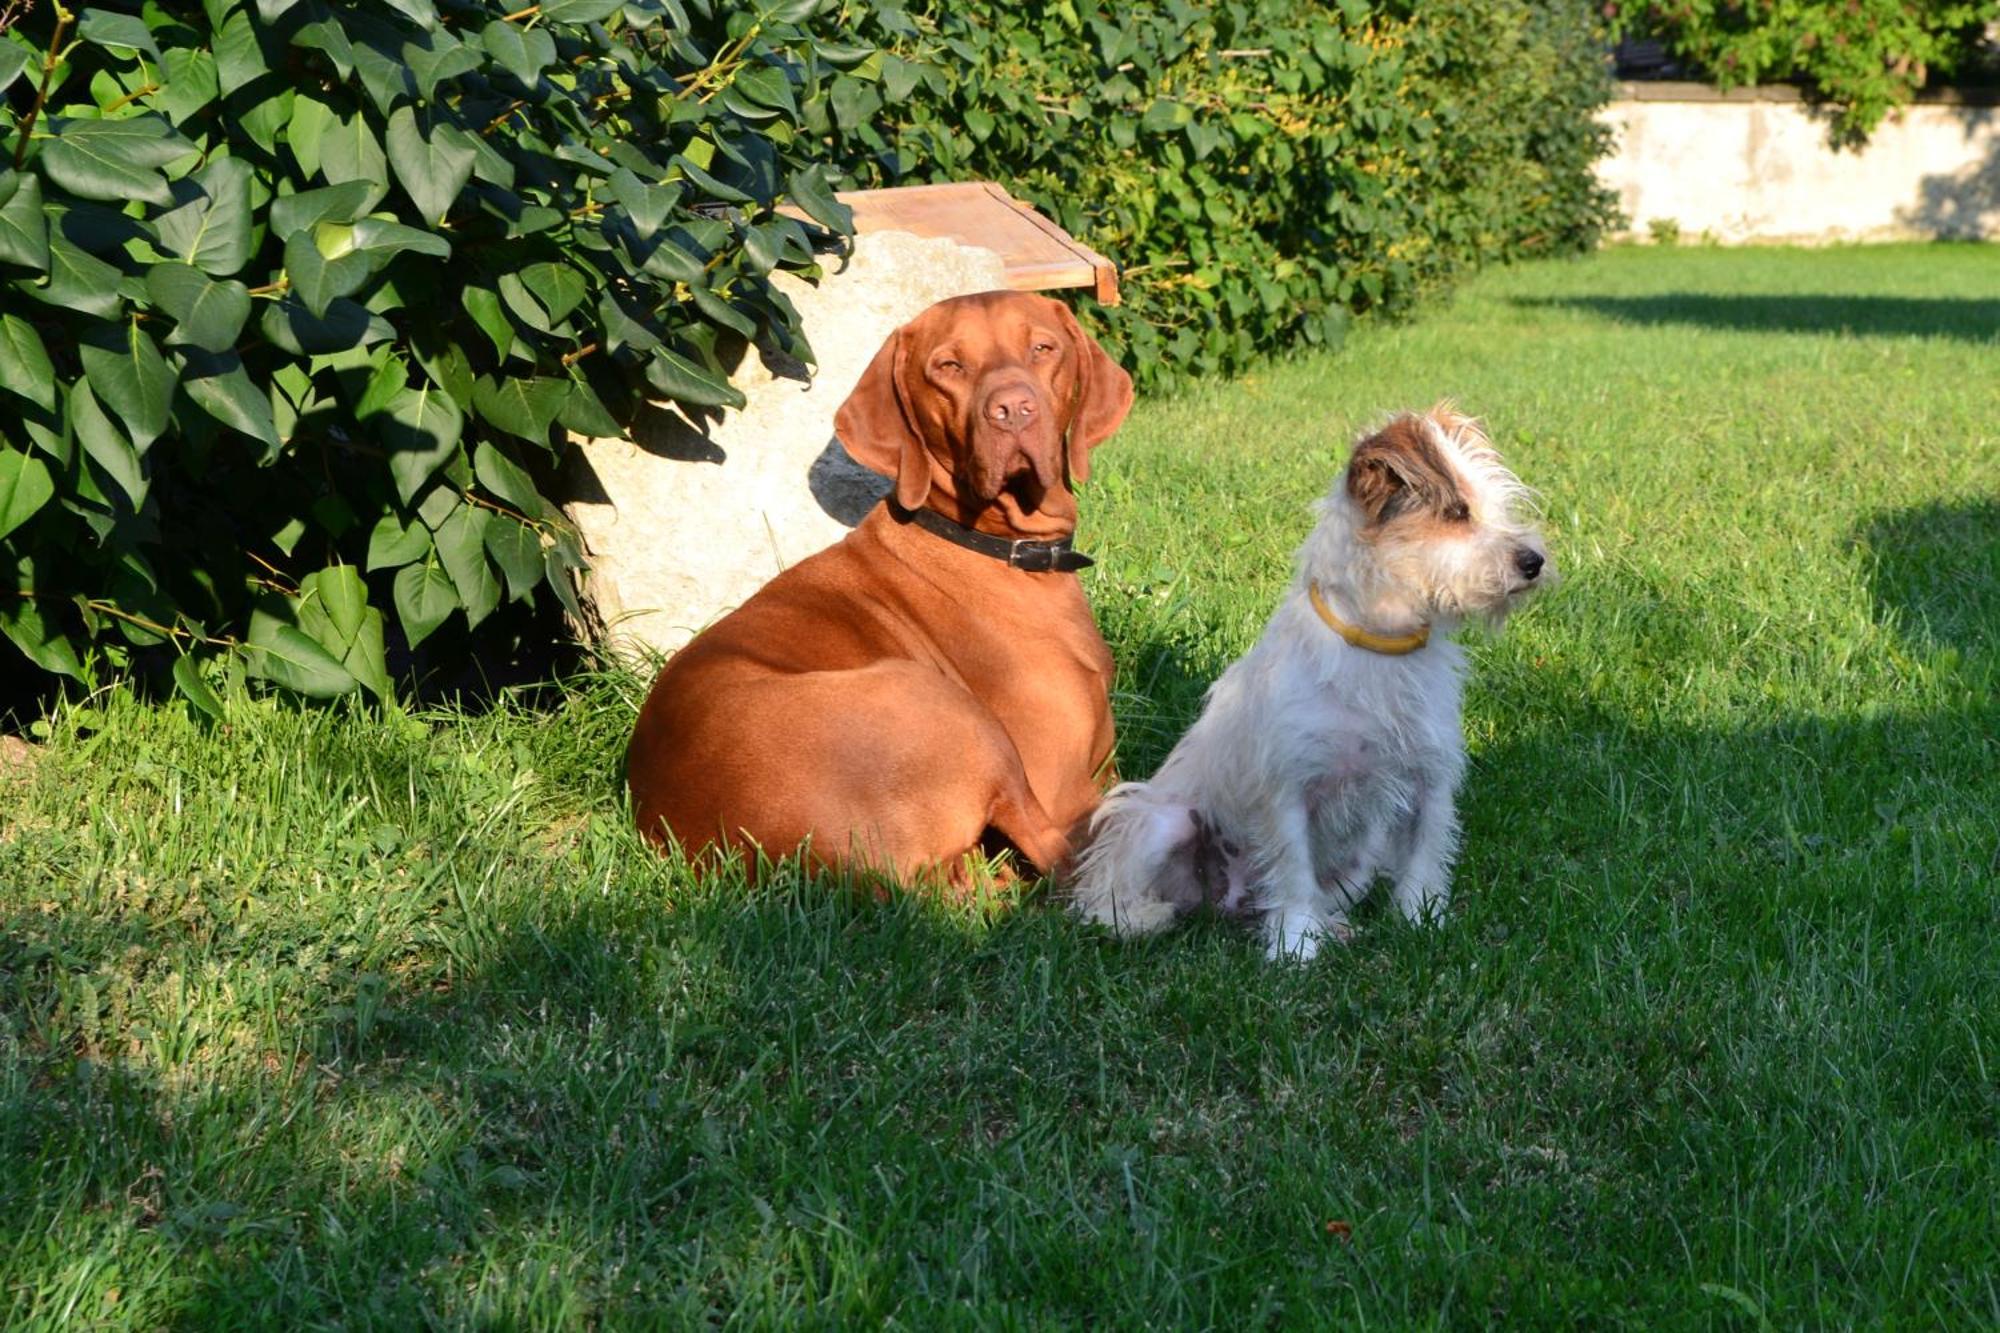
985 408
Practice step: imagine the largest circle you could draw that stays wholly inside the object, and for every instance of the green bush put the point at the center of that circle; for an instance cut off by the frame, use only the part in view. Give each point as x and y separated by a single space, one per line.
1262 169
1861 58
297 297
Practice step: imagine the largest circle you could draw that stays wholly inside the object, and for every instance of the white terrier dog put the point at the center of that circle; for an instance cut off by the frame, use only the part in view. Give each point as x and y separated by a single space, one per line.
1332 751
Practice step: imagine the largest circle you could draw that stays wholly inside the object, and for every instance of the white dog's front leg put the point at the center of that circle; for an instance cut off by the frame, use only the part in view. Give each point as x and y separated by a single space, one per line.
1423 882
1297 917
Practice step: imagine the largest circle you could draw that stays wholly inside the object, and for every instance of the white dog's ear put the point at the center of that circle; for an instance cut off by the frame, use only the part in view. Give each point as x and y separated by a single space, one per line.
1374 480
874 424
1399 467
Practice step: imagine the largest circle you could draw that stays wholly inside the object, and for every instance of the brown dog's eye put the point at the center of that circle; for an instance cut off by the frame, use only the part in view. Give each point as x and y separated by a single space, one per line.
950 363
1042 349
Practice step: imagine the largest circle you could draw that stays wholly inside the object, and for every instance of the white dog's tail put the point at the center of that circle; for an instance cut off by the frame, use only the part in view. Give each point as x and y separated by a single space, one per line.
1138 872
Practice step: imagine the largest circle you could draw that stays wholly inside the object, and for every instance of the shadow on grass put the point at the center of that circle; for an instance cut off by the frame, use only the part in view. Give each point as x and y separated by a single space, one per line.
1969 319
1935 573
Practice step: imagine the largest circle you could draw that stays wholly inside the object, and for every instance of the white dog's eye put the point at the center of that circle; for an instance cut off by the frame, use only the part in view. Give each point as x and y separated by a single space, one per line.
1457 511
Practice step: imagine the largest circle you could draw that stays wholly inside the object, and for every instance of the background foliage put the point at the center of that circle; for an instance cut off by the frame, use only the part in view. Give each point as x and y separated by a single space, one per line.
1261 169
299 300
1862 58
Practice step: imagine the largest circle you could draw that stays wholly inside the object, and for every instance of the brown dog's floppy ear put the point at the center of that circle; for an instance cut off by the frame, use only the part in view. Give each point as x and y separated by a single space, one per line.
876 429
1103 396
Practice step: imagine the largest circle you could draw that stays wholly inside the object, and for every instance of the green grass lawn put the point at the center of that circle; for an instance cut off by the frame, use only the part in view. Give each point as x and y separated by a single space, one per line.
327 1019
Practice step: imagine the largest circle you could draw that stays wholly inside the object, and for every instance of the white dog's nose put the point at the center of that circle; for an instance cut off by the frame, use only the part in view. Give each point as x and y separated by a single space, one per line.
1529 561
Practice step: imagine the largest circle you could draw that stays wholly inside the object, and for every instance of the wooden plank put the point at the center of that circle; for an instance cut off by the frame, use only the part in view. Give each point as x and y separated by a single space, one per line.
1038 255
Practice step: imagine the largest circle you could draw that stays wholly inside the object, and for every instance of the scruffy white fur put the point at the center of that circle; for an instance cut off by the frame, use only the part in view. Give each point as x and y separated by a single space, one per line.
1317 765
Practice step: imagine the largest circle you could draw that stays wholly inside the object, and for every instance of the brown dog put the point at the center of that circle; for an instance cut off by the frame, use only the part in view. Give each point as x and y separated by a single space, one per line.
935 676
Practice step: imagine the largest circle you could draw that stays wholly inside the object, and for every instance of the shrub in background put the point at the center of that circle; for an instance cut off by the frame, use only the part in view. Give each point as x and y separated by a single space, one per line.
1861 58
1262 169
297 297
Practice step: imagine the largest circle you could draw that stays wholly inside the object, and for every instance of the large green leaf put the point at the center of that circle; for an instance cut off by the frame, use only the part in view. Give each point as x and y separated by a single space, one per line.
23 621
24 362
424 597
420 429
105 445
323 265
239 55
79 281
461 546
580 11
395 543
523 303
24 227
520 404
311 119
483 304
810 192
420 12
506 479
212 230
332 608
288 656
683 381
130 377
517 549
343 326
559 288
583 412
381 237
439 56
222 388
433 168
522 52
648 205
308 208
349 151
14 59
196 690
207 314
115 160
118 32
191 84
25 486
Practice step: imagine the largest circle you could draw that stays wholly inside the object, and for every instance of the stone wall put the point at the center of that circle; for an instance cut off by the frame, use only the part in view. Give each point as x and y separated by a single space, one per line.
1755 164
682 524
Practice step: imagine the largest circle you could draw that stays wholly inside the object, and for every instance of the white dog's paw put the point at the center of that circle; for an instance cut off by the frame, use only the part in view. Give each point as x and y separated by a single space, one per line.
1128 915
1423 904
1296 937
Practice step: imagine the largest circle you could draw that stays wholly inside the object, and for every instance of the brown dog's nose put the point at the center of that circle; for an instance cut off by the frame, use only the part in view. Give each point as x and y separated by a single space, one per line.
1011 407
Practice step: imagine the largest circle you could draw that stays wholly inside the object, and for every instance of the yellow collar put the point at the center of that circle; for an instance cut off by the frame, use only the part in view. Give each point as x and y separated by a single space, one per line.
1389 645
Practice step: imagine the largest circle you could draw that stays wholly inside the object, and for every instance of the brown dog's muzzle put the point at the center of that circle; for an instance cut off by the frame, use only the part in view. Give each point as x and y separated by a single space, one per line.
1016 441
1012 407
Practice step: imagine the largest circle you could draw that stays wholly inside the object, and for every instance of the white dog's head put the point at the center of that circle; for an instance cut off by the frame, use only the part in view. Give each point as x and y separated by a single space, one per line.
1428 523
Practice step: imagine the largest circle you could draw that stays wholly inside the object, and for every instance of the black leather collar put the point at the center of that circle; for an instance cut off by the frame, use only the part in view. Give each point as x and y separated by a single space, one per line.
1036 557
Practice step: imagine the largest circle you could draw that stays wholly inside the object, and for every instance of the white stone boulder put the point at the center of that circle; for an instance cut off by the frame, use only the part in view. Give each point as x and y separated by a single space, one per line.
682 526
